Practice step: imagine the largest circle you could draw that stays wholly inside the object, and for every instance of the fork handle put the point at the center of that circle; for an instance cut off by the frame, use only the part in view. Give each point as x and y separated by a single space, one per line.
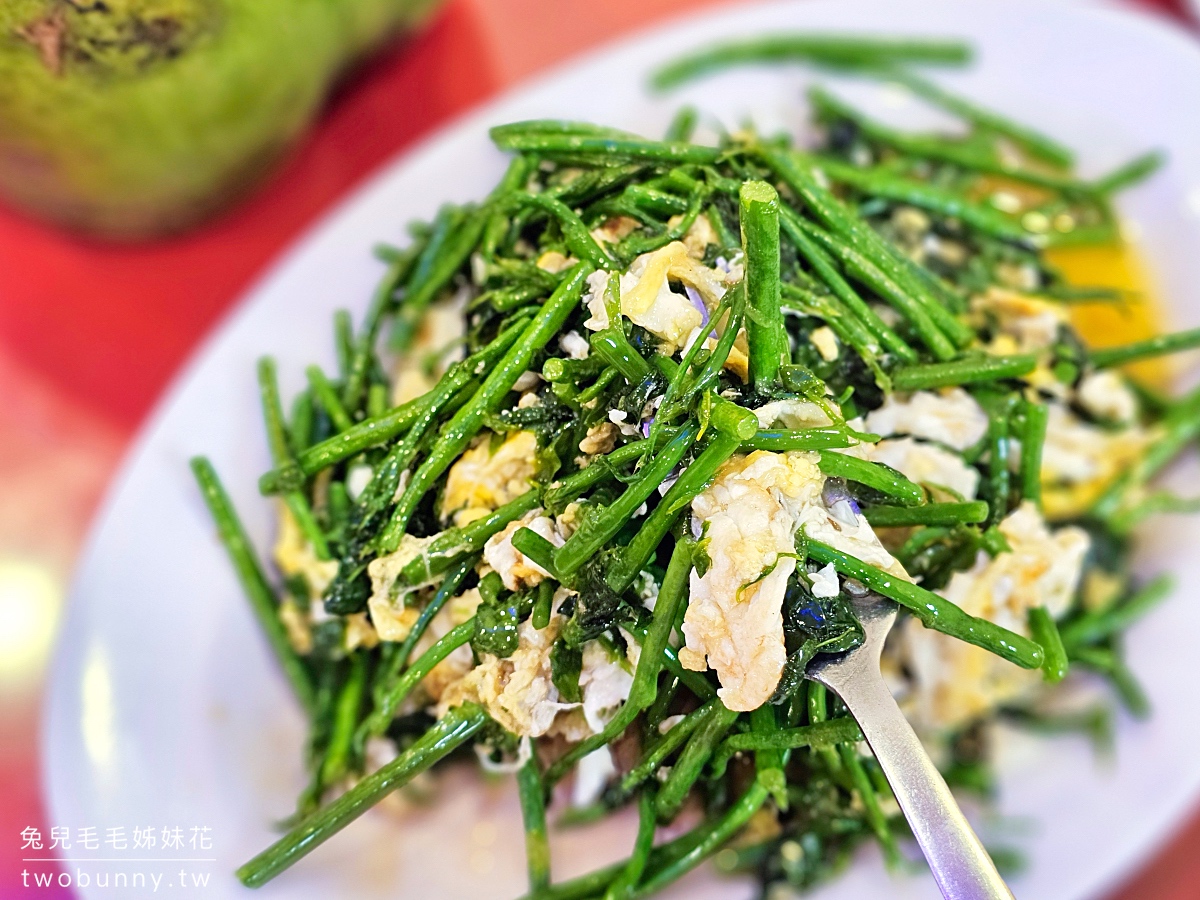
960 865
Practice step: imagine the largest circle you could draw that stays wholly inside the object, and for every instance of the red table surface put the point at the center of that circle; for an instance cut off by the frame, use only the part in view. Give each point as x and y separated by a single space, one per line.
90 334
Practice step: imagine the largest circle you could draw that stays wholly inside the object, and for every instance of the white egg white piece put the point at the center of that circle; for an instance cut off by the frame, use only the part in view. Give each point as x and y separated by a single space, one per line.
749 517
954 682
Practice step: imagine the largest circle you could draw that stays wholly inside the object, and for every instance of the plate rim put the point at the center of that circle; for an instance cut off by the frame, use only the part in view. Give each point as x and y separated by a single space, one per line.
1151 21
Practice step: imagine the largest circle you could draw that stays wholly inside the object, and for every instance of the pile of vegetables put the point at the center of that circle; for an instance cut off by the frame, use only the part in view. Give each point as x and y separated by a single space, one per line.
806 292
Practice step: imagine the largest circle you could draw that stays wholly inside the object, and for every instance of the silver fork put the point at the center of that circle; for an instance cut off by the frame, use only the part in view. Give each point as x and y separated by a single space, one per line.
962 868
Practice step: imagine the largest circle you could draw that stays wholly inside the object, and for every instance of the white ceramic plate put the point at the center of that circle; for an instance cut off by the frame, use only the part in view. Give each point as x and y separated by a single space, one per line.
165 708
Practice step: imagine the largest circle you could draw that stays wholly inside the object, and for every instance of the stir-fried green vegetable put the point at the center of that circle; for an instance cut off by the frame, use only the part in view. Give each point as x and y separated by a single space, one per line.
694 402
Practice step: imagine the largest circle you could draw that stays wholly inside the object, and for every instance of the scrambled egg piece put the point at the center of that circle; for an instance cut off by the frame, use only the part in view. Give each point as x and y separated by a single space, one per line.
1080 460
791 413
922 463
359 632
615 229
698 236
600 438
592 775
825 582
517 570
1106 396
519 693
393 618
555 262
575 345
647 299
750 514
1028 323
295 623
954 682
605 682
295 556
826 342
482 481
462 659
951 417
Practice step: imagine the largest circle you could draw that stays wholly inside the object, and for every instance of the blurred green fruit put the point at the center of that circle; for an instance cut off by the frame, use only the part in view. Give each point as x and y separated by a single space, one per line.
134 118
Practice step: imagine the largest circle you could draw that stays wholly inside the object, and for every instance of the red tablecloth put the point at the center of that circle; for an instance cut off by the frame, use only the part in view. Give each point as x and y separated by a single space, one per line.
90 334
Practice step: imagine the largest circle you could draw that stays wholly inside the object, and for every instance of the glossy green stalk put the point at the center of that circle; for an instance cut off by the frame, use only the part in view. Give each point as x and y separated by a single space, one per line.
759 204
668 744
710 373
1158 345
343 340
345 720
1092 628
969 513
691 762
1131 173
780 441
539 550
1178 428
519 137
817 703
866 792
624 884
542 605
614 348
1034 142
936 147
381 429
934 612
579 240
694 479
790 222
843 323
387 705
599 386
899 296
324 393
301 425
249 571
434 273
870 258
840 51
1109 661
584 544
682 125
708 838
446 735
1033 439
873 475
363 436
363 349
560 493
533 813
655 645
281 457
970 370
769 761
466 423
1043 630
819 735
996 485
730 419
881 182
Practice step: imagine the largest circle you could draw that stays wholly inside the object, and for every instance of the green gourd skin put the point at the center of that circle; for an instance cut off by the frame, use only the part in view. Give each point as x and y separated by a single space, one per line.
128 119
